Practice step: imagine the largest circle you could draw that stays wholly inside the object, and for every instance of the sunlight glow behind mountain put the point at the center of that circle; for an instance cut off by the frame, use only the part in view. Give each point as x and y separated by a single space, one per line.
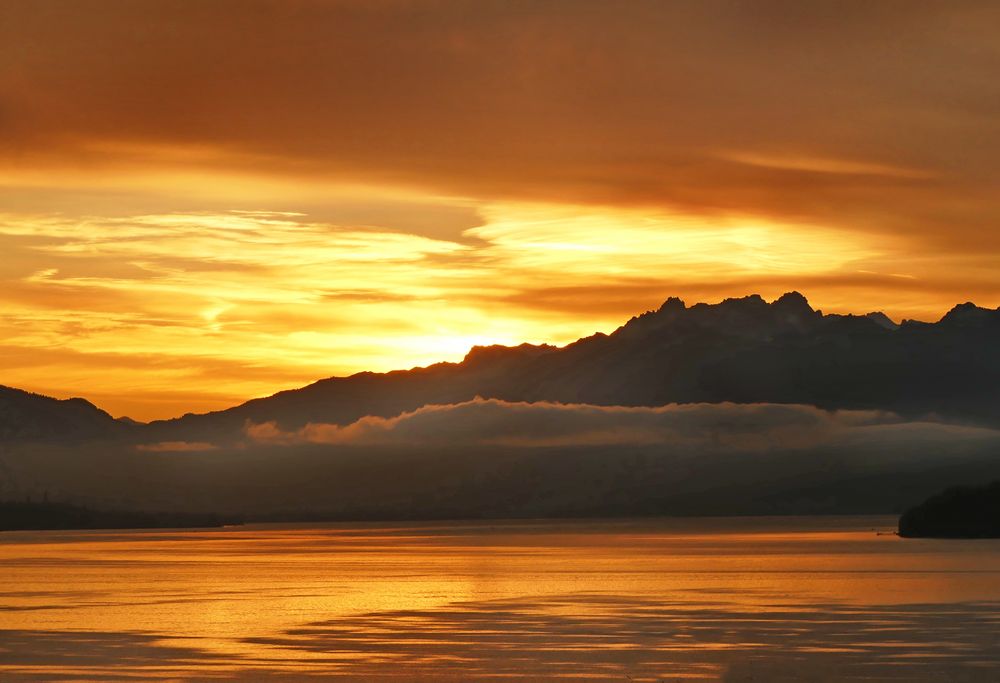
200 205
229 305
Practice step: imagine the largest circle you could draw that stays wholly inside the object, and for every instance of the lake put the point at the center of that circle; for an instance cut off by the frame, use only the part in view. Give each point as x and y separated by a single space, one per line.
754 599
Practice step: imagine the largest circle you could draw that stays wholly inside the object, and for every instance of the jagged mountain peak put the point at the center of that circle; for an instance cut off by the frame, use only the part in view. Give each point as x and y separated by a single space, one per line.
496 352
793 296
793 301
748 315
882 320
752 299
672 305
969 313
751 302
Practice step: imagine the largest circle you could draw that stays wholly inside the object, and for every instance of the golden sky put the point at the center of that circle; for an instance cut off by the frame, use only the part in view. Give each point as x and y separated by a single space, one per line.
205 202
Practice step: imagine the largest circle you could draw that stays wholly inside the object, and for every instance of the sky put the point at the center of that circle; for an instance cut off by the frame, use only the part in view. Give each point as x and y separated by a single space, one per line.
205 202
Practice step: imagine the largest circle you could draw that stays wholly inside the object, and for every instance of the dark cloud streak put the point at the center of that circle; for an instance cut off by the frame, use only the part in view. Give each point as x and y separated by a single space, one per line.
568 101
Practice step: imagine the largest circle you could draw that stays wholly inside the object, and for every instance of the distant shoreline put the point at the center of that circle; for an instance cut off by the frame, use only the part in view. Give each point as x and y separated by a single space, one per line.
64 517
46 516
961 512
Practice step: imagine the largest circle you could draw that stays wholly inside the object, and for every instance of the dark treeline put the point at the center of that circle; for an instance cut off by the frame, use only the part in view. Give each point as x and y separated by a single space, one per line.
19 516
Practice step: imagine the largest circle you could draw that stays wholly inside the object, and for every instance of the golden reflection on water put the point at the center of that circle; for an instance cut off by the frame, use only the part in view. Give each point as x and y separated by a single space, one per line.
701 598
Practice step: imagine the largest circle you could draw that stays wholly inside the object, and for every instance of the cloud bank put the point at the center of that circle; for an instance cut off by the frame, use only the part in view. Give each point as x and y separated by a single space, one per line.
725 427
490 458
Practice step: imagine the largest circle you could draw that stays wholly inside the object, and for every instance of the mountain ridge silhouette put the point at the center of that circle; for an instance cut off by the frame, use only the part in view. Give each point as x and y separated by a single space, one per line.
26 415
743 350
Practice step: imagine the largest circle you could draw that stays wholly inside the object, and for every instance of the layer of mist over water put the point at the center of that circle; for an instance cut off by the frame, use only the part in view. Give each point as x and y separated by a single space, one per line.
753 599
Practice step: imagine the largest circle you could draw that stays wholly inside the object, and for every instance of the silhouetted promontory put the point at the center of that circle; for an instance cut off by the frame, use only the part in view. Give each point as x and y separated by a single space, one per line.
961 512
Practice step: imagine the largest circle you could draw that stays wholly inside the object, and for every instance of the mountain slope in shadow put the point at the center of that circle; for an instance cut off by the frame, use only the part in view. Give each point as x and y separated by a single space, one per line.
25 416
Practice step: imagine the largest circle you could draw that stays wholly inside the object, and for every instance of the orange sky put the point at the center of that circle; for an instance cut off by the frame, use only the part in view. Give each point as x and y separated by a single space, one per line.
205 202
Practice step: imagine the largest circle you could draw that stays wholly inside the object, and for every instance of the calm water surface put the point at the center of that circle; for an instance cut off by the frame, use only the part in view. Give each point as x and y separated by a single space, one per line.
818 599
